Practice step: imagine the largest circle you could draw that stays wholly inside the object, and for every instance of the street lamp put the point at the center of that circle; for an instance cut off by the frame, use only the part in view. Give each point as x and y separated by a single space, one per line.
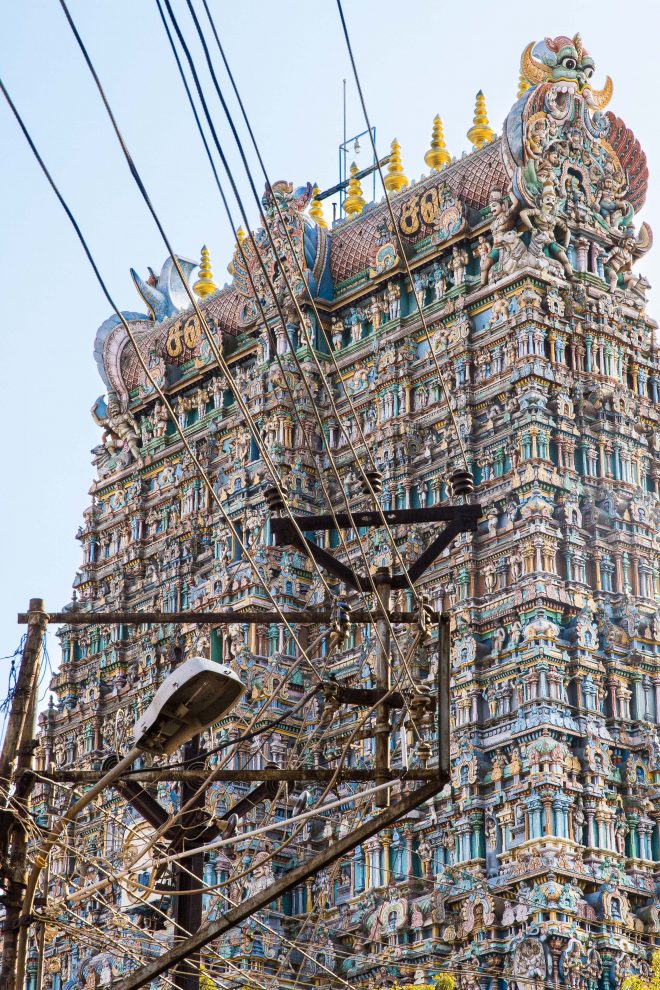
194 696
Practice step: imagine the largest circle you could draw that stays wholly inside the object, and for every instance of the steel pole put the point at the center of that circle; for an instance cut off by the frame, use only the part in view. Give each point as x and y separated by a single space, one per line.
382 582
189 876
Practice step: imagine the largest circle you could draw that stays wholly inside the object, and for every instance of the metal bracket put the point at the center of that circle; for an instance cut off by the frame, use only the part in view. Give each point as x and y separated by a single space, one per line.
459 519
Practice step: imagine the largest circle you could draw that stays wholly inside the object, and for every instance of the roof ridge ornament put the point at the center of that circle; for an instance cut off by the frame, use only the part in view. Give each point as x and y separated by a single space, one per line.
355 201
316 210
481 132
564 59
437 156
205 286
395 180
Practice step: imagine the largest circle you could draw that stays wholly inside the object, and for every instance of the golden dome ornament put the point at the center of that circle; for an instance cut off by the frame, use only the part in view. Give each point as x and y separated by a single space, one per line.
354 202
481 132
395 178
316 210
205 286
437 156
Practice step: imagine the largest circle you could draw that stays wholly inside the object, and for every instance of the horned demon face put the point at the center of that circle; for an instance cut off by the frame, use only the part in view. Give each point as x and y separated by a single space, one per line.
567 60
564 60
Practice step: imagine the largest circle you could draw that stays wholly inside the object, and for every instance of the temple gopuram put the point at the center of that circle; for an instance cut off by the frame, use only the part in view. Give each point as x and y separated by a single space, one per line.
538 864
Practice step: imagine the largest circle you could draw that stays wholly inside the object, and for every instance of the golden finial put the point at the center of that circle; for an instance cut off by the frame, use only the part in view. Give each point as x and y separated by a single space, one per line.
395 180
205 286
523 86
240 237
316 210
481 132
354 202
437 155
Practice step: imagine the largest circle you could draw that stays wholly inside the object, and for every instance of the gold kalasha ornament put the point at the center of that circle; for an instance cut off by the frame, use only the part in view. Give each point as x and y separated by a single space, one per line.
316 210
395 179
355 201
205 286
437 156
481 132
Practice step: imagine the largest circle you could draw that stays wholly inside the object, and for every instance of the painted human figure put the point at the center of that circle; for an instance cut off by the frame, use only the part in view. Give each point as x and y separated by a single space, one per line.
123 426
610 201
160 419
501 229
376 312
619 262
459 261
440 278
394 301
543 222
355 325
337 332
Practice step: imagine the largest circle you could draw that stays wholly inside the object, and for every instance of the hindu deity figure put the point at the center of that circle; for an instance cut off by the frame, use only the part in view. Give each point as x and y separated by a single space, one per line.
504 211
619 261
543 223
610 196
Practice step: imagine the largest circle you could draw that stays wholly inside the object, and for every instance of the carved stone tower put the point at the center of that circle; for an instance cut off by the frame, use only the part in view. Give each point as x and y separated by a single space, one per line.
539 864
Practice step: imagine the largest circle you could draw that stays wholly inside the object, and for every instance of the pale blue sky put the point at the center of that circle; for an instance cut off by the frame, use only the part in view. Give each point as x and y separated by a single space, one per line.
417 59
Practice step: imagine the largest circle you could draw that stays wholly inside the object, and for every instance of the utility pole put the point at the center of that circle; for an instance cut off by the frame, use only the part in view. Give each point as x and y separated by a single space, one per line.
383 583
19 743
189 877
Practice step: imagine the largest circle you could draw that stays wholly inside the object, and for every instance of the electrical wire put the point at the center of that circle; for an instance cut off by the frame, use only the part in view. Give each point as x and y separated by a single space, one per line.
202 322
87 891
328 787
340 378
145 370
138 355
267 277
144 366
402 252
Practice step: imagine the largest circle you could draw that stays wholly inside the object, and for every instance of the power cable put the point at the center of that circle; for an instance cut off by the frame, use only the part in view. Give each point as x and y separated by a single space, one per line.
200 316
147 371
402 252
163 399
312 301
268 232
267 277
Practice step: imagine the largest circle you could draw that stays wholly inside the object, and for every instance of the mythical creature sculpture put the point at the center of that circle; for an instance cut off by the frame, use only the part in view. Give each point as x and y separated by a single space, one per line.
564 60
165 294
120 428
558 141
